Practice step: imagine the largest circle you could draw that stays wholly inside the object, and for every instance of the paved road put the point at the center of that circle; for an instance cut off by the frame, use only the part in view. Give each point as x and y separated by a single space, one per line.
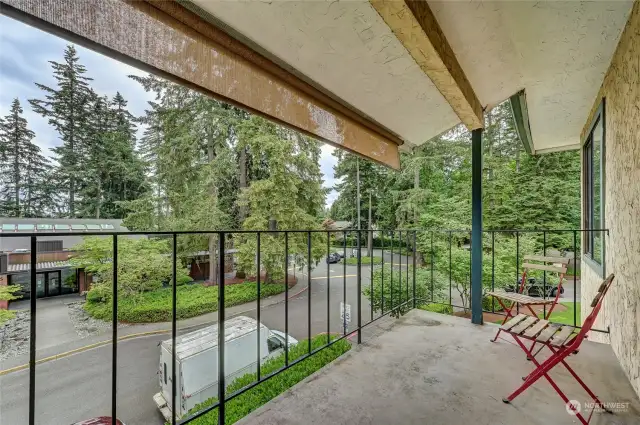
79 386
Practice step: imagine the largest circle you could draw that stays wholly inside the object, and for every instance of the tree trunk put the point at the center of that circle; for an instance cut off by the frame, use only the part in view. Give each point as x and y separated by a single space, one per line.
16 172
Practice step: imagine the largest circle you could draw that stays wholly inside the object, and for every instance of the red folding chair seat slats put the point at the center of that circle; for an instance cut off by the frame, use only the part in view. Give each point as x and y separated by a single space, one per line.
562 341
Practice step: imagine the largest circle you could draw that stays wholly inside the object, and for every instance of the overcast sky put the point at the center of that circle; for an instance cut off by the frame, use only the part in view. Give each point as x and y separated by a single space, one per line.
24 55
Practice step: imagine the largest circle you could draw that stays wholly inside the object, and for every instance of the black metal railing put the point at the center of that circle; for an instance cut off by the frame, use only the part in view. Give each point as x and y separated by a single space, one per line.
417 268
442 265
400 299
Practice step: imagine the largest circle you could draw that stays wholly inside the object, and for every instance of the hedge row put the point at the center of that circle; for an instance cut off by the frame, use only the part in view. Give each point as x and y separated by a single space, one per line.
249 401
192 300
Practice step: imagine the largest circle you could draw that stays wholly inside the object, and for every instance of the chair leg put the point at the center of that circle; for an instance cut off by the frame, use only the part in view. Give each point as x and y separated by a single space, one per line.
540 371
582 384
506 317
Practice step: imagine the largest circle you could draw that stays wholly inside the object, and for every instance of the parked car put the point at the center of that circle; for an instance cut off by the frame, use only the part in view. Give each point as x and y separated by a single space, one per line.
334 258
100 420
197 361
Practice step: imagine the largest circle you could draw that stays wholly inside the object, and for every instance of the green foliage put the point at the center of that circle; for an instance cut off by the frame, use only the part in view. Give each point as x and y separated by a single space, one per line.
390 293
290 192
437 308
143 265
6 315
8 292
566 317
378 242
371 176
353 261
192 300
249 401
23 168
433 188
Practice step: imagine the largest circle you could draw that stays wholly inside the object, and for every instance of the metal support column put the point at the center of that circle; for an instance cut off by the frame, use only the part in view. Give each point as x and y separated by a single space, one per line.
476 226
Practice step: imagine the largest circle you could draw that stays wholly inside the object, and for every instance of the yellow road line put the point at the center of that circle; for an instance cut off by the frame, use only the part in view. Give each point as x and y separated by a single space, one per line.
81 349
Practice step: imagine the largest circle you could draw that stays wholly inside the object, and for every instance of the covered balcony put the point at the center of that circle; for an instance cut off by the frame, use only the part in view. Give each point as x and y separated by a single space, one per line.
375 78
432 368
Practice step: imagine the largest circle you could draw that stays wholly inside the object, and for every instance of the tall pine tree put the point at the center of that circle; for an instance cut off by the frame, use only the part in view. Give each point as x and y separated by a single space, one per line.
23 168
67 107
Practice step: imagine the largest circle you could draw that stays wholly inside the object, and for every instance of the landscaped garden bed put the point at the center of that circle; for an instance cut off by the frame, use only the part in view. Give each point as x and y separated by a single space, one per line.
192 300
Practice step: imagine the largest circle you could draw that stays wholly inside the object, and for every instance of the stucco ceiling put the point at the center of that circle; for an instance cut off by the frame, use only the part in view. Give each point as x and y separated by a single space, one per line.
346 48
557 51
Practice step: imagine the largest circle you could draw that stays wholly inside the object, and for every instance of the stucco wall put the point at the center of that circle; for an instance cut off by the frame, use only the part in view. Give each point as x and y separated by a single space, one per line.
621 310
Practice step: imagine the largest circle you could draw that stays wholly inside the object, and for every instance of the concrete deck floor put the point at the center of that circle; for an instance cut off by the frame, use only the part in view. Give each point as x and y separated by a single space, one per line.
427 368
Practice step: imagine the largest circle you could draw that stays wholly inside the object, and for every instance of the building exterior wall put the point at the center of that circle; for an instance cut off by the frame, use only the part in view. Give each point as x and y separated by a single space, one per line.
621 309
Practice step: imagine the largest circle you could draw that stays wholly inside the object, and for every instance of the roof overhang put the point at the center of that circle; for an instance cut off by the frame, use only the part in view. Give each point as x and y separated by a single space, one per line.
363 75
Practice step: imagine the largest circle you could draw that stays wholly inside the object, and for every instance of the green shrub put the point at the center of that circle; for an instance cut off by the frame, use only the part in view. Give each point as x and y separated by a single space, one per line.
8 292
249 401
183 280
192 300
437 308
6 315
390 293
143 264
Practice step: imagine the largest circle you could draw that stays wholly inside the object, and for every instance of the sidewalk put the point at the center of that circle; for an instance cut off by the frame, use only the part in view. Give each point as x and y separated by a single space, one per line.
69 342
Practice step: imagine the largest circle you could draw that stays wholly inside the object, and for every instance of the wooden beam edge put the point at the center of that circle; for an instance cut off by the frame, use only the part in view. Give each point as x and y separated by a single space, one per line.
206 28
415 26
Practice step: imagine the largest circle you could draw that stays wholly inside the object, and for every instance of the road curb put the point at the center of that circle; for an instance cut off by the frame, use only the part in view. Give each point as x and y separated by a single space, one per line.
122 338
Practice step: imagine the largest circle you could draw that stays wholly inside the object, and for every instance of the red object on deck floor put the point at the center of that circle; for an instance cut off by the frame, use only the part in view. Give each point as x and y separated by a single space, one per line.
563 342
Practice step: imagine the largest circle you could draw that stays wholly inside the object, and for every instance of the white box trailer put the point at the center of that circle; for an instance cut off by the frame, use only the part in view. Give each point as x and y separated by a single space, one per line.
197 361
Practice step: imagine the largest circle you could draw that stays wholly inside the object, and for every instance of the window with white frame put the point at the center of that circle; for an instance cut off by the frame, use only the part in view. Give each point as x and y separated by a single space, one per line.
593 188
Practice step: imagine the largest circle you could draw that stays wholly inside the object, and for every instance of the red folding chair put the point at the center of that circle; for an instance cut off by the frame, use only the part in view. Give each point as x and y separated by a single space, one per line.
556 265
562 341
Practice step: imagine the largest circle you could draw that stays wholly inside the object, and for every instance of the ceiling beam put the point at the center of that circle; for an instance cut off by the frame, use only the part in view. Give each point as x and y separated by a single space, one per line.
416 27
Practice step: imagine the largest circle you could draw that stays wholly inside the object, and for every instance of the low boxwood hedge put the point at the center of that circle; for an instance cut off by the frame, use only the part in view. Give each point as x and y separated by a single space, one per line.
250 400
192 300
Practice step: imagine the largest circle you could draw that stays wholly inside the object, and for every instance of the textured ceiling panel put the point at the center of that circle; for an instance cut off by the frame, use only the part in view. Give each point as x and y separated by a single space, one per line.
346 48
558 51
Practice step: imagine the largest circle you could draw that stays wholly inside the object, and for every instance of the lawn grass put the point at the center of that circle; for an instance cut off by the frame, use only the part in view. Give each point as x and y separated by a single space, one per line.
564 317
192 300
364 260
252 399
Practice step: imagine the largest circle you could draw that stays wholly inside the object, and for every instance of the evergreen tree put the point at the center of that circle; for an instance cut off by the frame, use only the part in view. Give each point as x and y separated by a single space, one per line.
187 151
112 171
290 192
23 168
67 107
